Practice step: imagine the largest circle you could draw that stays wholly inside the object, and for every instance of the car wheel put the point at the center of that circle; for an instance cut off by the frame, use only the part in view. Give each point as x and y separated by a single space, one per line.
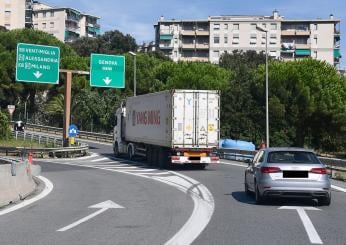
325 201
246 187
258 196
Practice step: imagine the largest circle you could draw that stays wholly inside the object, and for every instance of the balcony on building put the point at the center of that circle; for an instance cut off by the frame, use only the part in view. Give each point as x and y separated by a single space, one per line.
72 15
188 33
188 45
302 52
295 29
166 36
202 45
165 45
337 55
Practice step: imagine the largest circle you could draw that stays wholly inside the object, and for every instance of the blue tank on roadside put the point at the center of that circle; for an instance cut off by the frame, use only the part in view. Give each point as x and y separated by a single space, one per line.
237 145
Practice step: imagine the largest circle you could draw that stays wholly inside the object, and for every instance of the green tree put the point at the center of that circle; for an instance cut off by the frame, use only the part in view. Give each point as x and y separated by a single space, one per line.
307 104
241 113
5 132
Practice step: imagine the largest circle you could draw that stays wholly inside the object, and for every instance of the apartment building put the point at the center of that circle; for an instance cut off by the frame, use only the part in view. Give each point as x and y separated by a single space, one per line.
66 24
183 39
207 40
15 14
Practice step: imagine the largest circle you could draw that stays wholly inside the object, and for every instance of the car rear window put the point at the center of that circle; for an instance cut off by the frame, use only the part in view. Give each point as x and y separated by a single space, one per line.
292 157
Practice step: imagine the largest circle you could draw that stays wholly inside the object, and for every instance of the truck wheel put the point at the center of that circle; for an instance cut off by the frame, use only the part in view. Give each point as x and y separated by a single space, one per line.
163 158
149 155
130 152
116 150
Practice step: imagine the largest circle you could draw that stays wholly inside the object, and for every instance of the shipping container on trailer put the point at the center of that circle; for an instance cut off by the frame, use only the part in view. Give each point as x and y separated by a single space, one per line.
180 125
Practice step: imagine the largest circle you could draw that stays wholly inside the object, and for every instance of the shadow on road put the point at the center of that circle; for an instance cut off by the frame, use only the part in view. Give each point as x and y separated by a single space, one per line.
242 197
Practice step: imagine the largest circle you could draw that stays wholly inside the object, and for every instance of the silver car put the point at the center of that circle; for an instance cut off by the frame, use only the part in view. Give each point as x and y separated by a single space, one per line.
287 172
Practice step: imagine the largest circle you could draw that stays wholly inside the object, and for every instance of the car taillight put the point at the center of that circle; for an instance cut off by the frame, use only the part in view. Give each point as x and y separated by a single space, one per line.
267 170
319 170
215 158
175 158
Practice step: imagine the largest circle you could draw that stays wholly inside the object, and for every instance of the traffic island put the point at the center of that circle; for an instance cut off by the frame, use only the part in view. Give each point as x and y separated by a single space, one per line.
16 180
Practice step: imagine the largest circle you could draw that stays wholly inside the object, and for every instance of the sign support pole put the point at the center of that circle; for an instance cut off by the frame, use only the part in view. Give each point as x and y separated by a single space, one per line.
67 109
67 102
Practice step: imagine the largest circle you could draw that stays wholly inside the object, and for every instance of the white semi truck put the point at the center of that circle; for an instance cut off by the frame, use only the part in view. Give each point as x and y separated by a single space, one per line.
169 127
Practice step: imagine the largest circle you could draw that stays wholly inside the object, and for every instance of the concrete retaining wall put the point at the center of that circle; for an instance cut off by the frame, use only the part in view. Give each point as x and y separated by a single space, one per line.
15 188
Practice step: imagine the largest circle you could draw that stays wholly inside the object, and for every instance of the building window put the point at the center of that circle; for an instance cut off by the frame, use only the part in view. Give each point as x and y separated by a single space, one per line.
7 13
235 26
44 25
253 41
225 39
253 26
315 26
51 14
315 41
51 24
273 26
216 27
216 53
8 26
36 26
225 26
44 14
35 15
272 53
235 40
216 39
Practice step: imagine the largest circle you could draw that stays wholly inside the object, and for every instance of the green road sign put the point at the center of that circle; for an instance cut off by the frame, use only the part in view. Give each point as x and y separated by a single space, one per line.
37 63
107 71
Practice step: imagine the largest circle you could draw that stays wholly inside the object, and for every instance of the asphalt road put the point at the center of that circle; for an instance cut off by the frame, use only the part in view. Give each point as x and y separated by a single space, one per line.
155 211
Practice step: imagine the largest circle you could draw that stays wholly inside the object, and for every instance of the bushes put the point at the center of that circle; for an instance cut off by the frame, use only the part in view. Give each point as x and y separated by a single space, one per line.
5 132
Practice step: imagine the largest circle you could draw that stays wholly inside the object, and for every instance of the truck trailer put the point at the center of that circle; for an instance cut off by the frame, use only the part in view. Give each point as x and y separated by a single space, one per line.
169 127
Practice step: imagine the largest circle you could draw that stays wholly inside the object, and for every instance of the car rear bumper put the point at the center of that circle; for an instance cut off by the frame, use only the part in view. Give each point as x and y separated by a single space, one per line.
297 193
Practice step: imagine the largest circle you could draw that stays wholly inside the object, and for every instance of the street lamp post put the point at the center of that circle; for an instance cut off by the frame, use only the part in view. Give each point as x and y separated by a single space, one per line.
134 72
267 101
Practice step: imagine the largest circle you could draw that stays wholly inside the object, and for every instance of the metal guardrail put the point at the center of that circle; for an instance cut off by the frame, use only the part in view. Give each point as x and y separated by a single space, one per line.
81 134
40 139
242 155
81 149
232 154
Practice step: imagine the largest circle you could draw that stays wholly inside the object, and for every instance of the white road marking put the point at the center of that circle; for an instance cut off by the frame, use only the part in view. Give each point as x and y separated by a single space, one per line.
47 189
104 206
164 173
120 167
142 170
203 200
100 159
309 227
338 188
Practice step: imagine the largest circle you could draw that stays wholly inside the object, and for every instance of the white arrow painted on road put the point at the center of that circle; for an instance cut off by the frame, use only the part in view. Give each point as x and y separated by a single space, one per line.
309 227
103 206
107 80
37 74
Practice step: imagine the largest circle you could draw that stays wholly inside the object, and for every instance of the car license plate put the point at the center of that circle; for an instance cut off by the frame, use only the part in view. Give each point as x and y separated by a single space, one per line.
295 174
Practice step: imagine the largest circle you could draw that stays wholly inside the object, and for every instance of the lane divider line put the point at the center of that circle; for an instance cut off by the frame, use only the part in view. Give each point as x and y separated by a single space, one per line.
47 189
203 200
338 188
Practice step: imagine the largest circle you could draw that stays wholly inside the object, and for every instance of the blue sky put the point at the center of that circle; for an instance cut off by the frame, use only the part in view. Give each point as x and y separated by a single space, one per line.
137 17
